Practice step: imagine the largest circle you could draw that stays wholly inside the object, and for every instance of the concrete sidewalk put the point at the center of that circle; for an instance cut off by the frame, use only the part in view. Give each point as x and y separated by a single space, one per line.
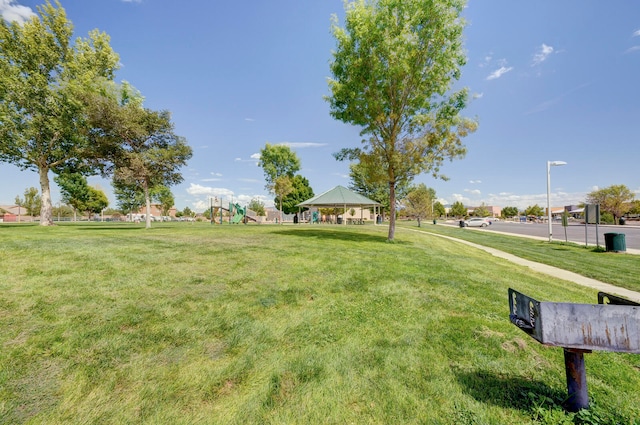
548 270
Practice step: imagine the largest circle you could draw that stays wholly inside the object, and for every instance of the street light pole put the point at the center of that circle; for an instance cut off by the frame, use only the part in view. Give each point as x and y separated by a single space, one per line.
549 217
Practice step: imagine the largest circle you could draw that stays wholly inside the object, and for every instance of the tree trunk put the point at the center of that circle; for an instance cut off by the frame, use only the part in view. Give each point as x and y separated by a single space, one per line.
392 211
147 199
46 210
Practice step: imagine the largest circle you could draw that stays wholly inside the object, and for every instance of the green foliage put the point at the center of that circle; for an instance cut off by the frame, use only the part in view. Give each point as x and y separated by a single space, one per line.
607 218
129 197
534 210
615 200
45 80
481 211
368 180
458 209
163 196
300 191
257 206
152 154
439 209
277 161
393 67
509 212
419 202
32 201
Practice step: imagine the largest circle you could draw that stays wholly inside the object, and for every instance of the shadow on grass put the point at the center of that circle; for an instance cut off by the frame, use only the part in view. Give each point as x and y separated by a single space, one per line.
507 392
331 233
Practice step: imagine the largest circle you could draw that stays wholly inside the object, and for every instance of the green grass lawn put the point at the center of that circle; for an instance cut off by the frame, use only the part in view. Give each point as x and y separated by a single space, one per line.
610 267
199 324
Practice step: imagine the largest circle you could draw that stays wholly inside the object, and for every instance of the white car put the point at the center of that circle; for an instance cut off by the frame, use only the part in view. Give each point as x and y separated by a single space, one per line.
477 222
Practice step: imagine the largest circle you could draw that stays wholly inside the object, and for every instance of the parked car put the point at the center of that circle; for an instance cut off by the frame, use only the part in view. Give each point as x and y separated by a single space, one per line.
477 222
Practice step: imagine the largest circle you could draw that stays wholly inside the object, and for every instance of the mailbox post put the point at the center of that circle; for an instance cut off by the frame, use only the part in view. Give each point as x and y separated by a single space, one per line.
611 325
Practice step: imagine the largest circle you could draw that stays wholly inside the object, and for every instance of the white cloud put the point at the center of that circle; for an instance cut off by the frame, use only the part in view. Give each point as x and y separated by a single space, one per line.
478 95
636 33
542 54
199 190
249 119
632 49
475 181
499 72
11 11
255 156
473 192
216 174
211 180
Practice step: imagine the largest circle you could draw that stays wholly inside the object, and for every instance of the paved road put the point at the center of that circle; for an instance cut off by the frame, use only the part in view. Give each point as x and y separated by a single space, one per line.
575 232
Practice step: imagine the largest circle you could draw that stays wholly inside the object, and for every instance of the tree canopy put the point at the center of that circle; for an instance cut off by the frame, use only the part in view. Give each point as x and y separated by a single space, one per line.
508 212
45 80
300 192
458 209
419 202
393 68
617 200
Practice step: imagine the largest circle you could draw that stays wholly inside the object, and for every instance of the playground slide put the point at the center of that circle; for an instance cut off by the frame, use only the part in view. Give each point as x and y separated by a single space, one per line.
239 213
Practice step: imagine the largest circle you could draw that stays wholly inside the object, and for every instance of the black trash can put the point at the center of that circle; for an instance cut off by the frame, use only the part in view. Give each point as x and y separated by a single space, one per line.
339 221
615 242
461 223
622 221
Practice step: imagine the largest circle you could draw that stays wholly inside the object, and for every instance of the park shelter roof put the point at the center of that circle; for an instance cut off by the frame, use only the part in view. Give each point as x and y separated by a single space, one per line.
339 196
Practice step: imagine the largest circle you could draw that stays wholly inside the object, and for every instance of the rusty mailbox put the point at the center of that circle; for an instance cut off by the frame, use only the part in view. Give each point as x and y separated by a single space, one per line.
611 325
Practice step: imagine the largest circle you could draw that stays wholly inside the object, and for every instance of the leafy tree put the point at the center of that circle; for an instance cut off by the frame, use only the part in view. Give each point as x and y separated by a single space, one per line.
635 207
32 201
96 201
534 210
419 202
481 211
392 70
458 209
45 80
187 212
257 206
150 153
509 212
439 209
282 187
615 200
277 161
368 182
163 196
300 191
129 197
74 190
279 164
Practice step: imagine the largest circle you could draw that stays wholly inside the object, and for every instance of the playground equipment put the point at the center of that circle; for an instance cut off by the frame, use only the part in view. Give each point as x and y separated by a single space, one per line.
238 213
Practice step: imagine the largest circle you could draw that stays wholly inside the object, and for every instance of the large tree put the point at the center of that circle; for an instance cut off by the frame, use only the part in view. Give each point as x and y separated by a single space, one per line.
150 153
45 79
300 192
616 200
279 164
393 68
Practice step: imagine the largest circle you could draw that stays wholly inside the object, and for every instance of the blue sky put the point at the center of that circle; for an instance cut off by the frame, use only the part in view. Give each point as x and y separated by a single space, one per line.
551 81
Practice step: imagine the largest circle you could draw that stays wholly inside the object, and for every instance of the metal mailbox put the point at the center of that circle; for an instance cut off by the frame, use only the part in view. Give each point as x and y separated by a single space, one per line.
611 325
